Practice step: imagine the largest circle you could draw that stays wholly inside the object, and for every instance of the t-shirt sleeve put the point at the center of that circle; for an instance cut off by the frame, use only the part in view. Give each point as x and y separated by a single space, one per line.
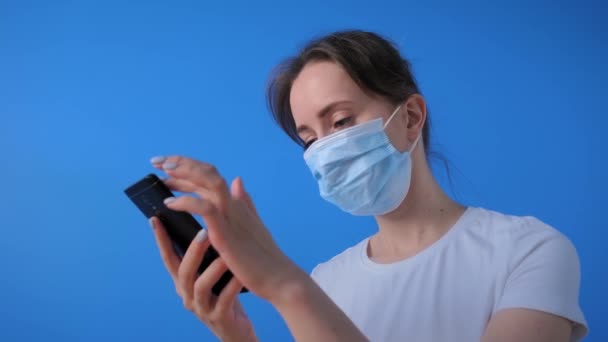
323 275
544 275
317 275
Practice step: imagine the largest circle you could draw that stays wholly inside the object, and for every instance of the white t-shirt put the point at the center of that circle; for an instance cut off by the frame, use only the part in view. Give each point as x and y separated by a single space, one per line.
449 291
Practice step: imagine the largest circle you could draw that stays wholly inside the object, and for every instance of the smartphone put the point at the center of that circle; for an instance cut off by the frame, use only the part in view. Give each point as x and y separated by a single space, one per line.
148 195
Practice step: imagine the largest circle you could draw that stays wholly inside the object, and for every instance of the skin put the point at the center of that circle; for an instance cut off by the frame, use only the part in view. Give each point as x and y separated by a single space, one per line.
247 249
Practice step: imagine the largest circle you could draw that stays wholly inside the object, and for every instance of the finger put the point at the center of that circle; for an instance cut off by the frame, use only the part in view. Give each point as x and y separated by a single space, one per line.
212 217
229 293
200 174
203 296
237 189
165 246
218 228
186 186
181 185
190 204
158 161
191 261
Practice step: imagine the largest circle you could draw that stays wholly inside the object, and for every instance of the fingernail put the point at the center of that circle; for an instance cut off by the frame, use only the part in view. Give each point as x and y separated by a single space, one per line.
169 200
169 165
151 222
201 235
158 160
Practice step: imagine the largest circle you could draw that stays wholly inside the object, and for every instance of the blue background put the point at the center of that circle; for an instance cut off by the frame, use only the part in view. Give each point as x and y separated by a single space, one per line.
90 90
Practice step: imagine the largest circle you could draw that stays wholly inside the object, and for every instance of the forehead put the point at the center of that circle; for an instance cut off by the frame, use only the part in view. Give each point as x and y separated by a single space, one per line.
319 84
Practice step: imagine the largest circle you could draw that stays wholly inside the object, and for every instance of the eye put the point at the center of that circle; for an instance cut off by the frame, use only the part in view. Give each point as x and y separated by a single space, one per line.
308 143
343 122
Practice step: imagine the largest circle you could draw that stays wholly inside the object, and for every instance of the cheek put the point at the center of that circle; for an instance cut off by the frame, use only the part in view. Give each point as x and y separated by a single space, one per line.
397 137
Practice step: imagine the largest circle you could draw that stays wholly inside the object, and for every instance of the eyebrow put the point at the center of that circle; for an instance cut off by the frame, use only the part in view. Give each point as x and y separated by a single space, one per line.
323 112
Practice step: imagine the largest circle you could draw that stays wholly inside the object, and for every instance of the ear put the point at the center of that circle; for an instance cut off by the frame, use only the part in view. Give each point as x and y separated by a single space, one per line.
416 116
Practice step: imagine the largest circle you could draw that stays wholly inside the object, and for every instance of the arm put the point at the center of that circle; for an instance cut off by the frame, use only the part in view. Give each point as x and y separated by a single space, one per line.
539 301
246 247
311 315
524 325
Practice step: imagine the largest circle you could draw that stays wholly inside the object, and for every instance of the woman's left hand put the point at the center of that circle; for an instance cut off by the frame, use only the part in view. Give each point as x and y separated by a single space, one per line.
235 229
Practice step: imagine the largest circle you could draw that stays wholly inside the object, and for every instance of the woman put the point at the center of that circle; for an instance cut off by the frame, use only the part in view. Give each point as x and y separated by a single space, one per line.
434 271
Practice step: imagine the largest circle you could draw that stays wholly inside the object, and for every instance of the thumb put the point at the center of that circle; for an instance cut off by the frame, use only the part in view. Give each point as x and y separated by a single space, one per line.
238 191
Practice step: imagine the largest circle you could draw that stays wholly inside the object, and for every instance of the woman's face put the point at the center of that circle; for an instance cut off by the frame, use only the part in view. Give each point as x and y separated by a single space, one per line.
324 99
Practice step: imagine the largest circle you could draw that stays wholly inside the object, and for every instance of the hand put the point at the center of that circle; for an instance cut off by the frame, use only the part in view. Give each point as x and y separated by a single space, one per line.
235 229
223 314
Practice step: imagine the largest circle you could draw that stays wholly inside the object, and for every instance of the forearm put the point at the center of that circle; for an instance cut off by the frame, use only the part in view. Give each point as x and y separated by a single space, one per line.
311 315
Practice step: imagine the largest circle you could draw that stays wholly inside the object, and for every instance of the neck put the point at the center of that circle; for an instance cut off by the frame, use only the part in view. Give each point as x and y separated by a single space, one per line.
425 215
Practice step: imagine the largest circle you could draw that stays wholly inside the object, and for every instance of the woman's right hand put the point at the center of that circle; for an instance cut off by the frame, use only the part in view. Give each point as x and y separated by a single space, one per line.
244 243
223 314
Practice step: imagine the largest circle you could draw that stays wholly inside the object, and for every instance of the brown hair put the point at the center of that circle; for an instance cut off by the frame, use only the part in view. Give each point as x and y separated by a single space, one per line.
372 61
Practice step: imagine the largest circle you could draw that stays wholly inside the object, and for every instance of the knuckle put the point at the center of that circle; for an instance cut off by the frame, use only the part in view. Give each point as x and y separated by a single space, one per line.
180 276
188 304
199 289
192 167
217 182
184 200
220 309
200 314
210 169
181 285
213 318
187 298
179 161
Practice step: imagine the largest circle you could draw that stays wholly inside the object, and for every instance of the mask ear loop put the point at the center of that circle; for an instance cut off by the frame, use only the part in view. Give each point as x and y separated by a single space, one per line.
415 143
391 118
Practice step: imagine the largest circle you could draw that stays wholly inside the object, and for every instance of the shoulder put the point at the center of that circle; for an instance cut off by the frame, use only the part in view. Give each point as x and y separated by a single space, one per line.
519 233
534 246
542 267
520 250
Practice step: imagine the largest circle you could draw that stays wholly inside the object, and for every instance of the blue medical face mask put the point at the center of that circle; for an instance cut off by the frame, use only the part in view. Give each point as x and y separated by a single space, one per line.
359 170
